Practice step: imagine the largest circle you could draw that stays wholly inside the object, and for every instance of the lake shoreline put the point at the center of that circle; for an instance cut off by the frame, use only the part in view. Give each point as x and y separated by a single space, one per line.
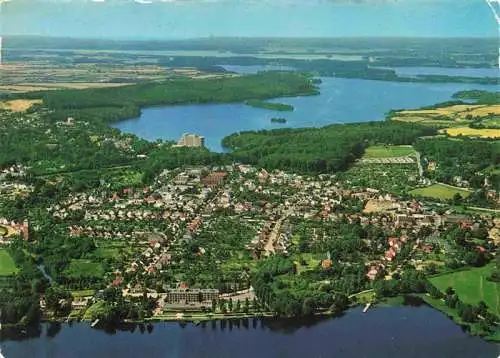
391 332
198 317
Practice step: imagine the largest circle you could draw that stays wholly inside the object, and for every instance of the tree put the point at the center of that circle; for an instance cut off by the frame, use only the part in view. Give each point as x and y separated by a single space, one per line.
468 314
222 306
457 199
246 307
238 306
308 306
230 305
482 308
255 304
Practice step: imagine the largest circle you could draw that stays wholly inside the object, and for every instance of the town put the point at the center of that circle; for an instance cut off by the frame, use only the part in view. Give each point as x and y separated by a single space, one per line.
105 227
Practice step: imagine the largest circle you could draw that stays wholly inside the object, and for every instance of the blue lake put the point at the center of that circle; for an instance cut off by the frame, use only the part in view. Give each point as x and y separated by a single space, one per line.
395 332
341 101
466 72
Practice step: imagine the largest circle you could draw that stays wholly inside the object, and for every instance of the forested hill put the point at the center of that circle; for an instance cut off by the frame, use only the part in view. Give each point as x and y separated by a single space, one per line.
111 104
325 149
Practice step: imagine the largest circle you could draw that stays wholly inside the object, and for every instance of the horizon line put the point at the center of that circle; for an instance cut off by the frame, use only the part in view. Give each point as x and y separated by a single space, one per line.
210 37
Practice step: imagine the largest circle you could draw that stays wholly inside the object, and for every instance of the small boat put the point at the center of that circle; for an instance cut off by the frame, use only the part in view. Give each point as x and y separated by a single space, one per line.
94 323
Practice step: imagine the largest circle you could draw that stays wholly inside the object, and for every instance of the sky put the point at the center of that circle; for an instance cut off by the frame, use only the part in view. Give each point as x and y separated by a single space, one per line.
178 19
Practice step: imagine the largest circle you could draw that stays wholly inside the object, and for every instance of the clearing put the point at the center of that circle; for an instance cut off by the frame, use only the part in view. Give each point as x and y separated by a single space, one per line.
388 151
450 115
440 191
19 105
7 265
80 268
472 286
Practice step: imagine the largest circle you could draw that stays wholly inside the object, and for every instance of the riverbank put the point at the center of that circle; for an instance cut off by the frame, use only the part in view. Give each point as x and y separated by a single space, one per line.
473 328
395 332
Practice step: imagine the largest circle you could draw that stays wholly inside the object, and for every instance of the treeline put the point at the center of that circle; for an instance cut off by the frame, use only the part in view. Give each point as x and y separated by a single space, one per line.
327 149
20 294
481 97
110 104
460 158
167 157
331 67
294 296
414 282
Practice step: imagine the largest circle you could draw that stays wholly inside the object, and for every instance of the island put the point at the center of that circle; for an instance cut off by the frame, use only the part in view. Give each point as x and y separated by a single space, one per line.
278 120
269 105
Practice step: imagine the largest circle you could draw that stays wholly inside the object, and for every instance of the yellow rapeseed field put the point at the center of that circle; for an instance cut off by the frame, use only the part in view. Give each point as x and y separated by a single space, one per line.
19 105
483 133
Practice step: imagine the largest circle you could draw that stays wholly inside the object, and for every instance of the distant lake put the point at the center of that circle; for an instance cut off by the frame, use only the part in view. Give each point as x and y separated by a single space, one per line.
341 101
391 332
465 72
255 68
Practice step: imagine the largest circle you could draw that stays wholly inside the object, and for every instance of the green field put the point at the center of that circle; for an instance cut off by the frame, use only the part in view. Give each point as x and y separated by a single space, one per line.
79 268
388 151
7 265
440 191
472 286
491 122
3 231
93 311
82 293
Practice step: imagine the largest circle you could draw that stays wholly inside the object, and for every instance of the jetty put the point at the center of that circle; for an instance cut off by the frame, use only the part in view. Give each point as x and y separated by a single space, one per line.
367 307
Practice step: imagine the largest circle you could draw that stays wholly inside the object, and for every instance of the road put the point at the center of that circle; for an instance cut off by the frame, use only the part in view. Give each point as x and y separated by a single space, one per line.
274 235
420 169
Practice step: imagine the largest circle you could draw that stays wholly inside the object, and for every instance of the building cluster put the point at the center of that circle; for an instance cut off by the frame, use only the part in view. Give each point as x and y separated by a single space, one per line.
12 228
186 295
182 203
191 140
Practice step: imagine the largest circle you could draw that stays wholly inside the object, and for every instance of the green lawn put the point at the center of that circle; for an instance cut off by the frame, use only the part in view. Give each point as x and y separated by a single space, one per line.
7 265
106 252
3 230
93 311
388 151
82 293
440 191
80 267
472 286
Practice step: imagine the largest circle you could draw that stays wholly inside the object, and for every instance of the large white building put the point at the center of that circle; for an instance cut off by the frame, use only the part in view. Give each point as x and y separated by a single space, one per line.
191 140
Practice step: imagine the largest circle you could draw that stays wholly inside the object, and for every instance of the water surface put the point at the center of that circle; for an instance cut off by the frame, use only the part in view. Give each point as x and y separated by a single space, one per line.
446 71
392 332
341 101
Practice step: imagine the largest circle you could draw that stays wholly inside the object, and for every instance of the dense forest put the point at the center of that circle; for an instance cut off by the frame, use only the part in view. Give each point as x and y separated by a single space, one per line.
326 149
480 97
111 104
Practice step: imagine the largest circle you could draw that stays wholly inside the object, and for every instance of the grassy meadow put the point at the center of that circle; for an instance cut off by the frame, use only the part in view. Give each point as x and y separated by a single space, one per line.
472 286
7 265
388 151
440 191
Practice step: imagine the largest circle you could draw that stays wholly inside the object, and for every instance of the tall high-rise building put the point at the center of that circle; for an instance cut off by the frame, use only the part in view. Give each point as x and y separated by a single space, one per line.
191 140
1 50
